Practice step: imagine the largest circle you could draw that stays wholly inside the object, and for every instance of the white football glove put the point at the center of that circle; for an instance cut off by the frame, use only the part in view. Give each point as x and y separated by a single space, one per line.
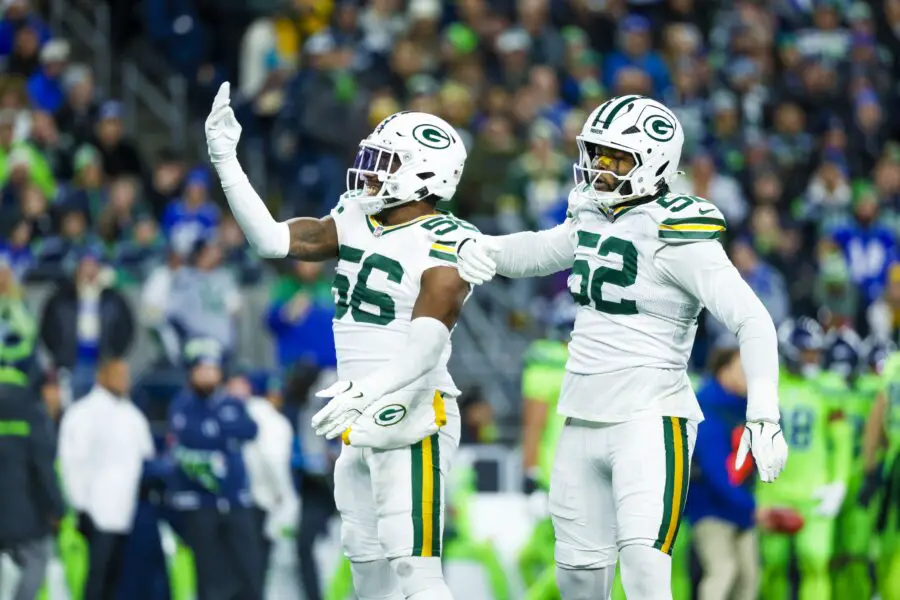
831 498
766 441
222 128
475 262
348 402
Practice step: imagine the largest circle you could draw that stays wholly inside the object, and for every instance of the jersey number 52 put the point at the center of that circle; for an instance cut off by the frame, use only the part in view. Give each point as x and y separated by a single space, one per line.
590 289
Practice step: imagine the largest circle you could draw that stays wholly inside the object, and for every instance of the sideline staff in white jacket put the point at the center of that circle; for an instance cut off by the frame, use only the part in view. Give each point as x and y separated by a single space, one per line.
103 442
268 461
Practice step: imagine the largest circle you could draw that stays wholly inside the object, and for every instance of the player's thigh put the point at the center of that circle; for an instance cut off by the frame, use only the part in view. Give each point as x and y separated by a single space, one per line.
814 543
409 491
355 502
650 460
581 501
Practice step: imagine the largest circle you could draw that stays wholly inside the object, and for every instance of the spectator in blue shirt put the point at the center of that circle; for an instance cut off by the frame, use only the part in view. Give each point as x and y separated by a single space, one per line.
721 506
18 14
868 246
45 87
17 249
300 315
194 216
636 51
208 429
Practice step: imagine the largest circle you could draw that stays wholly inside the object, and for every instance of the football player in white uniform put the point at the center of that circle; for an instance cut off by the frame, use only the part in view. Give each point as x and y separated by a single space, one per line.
398 295
644 262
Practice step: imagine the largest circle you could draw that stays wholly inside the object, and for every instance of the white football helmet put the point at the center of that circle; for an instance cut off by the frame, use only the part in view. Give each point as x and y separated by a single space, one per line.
642 127
408 157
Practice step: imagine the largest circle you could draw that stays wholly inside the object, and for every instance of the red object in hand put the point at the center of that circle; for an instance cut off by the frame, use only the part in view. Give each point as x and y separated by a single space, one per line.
783 520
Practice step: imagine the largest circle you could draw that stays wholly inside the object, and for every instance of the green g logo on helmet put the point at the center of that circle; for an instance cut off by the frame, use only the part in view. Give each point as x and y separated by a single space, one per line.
432 136
390 415
659 128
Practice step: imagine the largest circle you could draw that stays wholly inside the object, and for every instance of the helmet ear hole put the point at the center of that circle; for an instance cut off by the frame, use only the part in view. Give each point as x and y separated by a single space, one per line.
662 168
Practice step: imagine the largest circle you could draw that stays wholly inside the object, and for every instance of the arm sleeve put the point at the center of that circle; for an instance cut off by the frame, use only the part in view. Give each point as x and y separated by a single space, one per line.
236 422
533 254
540 383
73 451
841 433
704 270
270 238
425 343
43 450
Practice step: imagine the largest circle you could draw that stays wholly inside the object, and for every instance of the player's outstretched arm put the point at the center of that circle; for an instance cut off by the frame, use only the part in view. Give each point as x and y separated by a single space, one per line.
441 296
303 238
705 271
525 254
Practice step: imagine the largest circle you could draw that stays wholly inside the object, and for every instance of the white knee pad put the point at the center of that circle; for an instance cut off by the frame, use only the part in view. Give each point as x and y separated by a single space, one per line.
375 580
585 584
646 573
421 578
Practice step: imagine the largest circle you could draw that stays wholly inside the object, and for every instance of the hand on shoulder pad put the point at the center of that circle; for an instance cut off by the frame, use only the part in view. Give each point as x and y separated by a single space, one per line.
475 260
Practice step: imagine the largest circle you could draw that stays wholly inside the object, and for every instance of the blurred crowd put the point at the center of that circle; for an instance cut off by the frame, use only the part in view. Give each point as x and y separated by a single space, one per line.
785 106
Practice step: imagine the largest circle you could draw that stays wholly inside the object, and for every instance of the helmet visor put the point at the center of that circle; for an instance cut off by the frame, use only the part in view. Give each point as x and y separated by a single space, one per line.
605 169
371 168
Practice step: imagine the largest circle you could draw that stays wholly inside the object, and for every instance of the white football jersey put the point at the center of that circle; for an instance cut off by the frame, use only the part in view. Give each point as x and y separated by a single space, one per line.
635 327
377 283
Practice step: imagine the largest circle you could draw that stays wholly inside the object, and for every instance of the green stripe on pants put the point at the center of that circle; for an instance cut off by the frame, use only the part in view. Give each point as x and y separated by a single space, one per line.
416 474
669 446
685 460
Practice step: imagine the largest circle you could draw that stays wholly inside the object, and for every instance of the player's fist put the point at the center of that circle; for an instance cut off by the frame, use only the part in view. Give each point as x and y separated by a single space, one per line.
475 260
766 442
348 401
222 128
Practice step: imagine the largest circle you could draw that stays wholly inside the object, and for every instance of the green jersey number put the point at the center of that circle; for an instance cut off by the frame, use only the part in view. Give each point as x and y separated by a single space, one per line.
352 301
591 287
800 422
678 203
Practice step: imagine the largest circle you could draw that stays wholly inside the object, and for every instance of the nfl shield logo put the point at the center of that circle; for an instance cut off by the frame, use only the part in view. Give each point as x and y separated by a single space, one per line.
378 231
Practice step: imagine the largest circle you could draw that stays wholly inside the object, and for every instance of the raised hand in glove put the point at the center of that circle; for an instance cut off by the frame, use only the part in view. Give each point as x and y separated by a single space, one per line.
766 442
222 128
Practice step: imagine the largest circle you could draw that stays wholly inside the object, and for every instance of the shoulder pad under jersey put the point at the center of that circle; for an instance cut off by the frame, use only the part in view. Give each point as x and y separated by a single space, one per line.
688 218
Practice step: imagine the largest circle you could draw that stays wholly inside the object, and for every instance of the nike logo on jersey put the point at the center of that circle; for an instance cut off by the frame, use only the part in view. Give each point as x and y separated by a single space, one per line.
706 212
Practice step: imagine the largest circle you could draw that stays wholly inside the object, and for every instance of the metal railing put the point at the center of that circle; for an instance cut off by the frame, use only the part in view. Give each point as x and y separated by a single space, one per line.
168 104
87 25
